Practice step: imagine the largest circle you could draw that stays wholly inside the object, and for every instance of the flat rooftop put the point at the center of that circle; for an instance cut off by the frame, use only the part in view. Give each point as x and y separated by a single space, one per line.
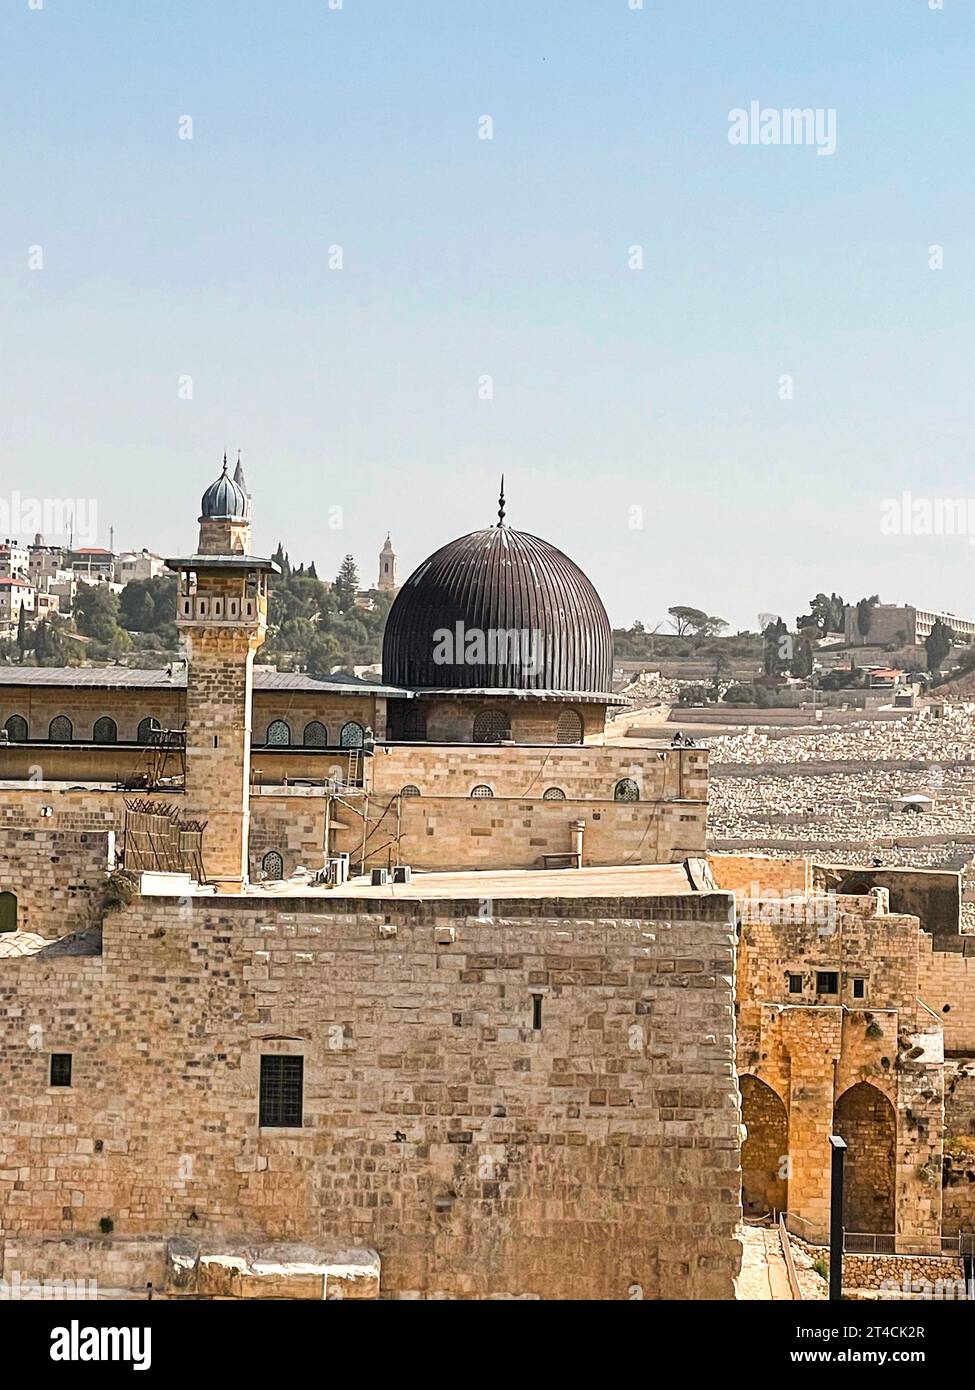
631 881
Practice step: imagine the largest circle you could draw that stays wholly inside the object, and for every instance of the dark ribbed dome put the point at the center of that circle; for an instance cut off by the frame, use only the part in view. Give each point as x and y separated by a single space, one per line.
499 581
224 498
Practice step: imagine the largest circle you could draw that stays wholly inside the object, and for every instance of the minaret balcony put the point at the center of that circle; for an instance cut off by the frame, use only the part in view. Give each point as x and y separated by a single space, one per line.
222 611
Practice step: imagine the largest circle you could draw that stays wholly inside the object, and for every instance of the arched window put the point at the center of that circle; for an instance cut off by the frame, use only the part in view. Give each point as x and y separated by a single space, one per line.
60 730
315 735
278 733
626 790
16 727
410 790
491 726
414 724
481 790
553 794
351 735
272 865
568 729
8 912
146 727
105 730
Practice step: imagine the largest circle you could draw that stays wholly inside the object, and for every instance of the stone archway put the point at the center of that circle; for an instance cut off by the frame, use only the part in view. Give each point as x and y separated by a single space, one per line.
865 1118
764 1154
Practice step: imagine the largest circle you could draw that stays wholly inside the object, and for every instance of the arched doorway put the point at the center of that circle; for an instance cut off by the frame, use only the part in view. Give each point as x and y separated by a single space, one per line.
865 1118
765 1152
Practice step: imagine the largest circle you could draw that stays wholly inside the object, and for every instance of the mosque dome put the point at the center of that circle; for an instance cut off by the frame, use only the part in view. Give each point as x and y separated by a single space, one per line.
499 610
225 497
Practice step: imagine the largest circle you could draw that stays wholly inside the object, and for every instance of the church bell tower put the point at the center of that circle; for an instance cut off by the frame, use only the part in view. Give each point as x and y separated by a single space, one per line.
221 615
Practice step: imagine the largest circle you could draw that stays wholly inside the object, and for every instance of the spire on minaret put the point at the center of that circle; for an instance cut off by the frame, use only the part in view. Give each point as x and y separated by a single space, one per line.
501 503
239 474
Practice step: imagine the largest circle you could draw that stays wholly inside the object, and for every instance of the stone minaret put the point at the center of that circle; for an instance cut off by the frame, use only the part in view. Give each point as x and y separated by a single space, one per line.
222 616
388 580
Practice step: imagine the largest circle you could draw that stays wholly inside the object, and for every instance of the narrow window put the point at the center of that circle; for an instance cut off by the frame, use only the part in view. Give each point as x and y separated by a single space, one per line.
536 1011
795 984
281 1092
859 988
827 982
60 1068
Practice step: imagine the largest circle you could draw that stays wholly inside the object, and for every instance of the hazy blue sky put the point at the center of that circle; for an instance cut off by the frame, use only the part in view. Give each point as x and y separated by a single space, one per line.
613 388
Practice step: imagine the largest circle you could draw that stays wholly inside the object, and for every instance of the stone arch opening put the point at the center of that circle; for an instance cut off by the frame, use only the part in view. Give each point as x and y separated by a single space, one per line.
315 735
569 727
491 726
626 789
272 865
16 727
865 1118
105 730
8 912
765 1152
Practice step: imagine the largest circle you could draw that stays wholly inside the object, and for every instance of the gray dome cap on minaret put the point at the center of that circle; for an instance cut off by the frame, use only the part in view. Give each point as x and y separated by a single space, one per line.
224 499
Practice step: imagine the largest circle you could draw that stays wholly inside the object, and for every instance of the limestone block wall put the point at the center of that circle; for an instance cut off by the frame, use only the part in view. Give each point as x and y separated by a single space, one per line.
478 1154
465 833
298 710
532 721
56 874
947 985
758 876
870 1065
580 772
84 704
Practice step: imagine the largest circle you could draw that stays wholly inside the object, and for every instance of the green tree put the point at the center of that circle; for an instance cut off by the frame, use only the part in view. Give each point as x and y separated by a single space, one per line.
96 611
937 644
346 584
51 644
865 614
802 661
777 648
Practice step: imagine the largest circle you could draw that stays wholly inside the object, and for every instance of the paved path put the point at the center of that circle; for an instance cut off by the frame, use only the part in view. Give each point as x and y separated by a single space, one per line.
763 1270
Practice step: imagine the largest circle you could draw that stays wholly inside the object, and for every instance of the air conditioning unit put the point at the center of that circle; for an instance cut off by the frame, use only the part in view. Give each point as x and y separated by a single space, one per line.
402 873
379 878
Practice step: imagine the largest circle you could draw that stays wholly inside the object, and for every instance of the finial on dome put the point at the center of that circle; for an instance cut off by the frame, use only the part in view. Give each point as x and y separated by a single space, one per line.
225 460
501 503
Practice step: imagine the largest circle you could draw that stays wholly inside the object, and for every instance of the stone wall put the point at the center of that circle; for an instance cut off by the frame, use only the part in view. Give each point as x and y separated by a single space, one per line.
947 985
758 876
589 772
831 1057
57 875
464 833
478 1154
532 721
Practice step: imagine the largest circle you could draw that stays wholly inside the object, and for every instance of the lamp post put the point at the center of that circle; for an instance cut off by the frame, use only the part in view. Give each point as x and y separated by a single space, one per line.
837 1155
